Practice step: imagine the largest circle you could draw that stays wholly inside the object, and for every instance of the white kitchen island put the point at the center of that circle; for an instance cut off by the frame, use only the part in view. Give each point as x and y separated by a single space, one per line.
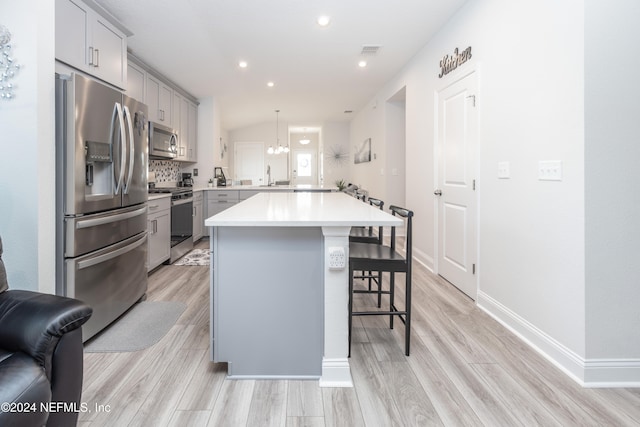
278 310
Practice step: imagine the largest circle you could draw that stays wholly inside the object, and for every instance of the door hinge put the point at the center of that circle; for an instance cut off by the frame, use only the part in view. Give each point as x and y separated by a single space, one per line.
473 269
474 185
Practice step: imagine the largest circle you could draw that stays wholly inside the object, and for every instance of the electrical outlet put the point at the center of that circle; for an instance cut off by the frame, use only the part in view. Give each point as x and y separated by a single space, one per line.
337 258
195 172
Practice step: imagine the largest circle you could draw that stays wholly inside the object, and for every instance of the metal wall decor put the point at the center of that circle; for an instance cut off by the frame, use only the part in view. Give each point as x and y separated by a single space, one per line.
450 63
337 155
8 68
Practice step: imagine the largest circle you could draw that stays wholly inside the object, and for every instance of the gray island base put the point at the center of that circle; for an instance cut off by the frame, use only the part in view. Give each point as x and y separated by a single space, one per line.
277 309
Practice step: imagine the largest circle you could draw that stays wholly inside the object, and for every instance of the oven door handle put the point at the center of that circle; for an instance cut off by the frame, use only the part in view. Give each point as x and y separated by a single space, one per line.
181 201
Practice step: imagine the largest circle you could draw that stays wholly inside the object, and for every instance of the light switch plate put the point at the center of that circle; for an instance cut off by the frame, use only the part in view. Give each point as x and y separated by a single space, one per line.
504 170
337 258
550 170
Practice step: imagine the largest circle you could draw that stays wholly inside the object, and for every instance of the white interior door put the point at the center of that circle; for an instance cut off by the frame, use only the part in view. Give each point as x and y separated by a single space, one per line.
305 167
457 143
249 162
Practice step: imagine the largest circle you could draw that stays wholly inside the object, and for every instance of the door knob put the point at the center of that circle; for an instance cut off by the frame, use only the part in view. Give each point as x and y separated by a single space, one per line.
438 192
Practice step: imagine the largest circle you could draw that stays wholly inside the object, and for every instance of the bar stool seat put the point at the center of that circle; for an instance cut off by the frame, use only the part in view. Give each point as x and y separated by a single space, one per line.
382 258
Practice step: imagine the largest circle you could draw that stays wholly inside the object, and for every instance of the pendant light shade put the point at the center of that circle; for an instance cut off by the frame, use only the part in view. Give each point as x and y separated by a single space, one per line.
279 148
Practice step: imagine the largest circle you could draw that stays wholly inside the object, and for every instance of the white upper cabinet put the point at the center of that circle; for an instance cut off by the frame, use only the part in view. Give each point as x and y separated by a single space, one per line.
136 82
192 154
158 99
185 123
168 105
90 43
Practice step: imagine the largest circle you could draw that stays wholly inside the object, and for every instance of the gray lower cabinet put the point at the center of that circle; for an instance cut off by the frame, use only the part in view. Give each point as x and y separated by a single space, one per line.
159 231
219 200
198 216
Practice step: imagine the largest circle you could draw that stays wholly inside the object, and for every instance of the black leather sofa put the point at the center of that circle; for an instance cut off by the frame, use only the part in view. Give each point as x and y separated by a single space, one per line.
40 357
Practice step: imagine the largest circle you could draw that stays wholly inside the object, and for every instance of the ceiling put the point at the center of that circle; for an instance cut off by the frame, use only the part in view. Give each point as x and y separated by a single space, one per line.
199 43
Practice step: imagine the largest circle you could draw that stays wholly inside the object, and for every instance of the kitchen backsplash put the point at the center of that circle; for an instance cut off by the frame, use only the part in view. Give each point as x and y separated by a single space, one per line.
165 170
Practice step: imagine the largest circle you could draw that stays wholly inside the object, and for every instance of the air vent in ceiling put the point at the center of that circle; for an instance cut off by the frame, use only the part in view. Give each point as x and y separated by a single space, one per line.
370 50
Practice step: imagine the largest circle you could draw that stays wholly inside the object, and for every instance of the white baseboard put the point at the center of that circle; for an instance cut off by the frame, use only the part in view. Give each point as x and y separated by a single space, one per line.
335 373
600 373
586 372
425 260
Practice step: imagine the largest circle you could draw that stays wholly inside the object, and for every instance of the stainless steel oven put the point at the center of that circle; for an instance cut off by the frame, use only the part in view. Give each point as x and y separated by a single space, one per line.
181 220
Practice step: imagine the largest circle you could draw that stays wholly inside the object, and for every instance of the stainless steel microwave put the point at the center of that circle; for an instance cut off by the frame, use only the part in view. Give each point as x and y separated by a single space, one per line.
163 142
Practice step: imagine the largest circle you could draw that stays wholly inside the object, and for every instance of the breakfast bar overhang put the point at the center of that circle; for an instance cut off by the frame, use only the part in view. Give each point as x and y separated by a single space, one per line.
278 308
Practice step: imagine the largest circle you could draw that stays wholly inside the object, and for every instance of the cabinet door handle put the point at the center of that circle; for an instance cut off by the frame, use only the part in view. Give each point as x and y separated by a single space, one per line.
97 62
194 211
91 55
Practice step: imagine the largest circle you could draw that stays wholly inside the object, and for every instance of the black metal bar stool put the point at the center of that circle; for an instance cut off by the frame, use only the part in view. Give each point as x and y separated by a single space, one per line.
366 235
365 256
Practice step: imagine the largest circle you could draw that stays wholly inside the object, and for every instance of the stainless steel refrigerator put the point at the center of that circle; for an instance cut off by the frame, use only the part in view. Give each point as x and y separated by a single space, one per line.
101 195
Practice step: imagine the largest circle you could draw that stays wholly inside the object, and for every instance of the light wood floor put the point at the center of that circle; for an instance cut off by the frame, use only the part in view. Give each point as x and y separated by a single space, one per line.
464 370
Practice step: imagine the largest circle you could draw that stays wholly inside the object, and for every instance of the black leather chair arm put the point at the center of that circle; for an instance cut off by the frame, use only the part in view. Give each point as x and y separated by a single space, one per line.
33 322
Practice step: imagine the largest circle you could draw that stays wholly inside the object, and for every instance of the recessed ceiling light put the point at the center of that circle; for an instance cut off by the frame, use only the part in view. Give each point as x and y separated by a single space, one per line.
271 84
362 63
243 64
324 20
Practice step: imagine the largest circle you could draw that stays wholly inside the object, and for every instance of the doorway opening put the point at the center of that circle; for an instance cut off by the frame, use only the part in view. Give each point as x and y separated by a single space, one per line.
396 136
305 159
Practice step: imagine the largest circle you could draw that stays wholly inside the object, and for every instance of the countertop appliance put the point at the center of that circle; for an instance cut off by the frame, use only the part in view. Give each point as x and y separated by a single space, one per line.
163 142
101 195
181 219
187 180
218 174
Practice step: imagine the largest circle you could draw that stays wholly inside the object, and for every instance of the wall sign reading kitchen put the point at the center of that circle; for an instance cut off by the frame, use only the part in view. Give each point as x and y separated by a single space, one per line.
450 62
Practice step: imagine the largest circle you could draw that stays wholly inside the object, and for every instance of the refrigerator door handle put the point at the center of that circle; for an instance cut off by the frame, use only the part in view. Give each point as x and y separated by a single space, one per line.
132 154
118 113
88 223
111 255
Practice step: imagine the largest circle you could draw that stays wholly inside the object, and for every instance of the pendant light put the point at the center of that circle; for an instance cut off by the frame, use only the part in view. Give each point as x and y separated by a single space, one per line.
279 148
304 140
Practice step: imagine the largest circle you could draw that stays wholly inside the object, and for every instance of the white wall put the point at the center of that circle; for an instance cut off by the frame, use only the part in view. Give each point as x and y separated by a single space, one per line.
27 166
612 176
335 138
369 123
530 57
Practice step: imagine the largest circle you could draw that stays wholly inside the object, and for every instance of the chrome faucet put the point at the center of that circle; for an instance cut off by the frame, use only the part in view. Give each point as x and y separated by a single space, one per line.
268 175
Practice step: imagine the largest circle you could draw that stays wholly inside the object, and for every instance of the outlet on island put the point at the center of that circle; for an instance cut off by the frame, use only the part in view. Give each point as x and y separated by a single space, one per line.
337 258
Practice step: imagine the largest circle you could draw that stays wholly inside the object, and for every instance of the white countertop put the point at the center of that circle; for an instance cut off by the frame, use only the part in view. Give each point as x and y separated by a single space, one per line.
280 209
283 188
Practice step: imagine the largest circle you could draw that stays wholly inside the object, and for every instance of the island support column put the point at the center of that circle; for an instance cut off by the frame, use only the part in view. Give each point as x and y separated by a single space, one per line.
335 362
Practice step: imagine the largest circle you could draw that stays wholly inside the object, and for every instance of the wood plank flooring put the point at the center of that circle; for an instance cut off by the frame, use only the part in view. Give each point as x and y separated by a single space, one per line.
465 369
